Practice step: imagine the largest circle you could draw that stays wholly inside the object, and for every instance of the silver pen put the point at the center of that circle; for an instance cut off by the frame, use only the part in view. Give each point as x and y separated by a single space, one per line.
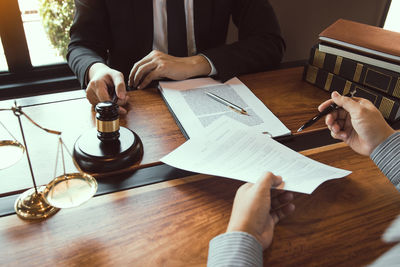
227 103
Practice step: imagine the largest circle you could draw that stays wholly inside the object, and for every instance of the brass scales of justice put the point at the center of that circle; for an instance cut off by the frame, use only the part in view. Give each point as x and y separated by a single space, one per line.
105 154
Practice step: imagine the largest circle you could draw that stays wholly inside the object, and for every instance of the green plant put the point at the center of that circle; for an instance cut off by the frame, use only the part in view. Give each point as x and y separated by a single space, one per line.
57 17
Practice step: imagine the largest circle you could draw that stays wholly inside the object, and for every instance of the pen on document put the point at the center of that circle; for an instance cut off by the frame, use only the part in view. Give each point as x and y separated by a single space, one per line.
227 103
326 111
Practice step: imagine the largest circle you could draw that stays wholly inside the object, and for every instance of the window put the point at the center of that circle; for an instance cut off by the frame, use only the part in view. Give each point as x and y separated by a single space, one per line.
41 51
393 19
3 62
31 31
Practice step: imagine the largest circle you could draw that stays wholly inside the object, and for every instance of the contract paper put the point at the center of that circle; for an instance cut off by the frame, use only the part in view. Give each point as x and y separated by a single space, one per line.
392 256
195 110
392 233
229 149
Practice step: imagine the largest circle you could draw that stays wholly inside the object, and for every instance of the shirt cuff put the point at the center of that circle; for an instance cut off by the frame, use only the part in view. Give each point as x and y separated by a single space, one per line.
235 249
386 157
213 69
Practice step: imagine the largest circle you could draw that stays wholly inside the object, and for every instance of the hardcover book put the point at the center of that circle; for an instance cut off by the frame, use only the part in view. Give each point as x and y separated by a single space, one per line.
385 64
389 106
363 38
370 76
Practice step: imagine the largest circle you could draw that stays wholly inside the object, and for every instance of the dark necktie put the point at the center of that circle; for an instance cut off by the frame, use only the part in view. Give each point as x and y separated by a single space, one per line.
176 24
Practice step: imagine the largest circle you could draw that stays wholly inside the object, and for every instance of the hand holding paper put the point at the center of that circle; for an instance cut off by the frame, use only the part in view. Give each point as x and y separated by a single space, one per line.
230 149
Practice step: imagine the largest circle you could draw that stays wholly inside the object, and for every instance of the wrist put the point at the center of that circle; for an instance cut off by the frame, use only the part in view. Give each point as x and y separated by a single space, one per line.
240 227
386 133
201 66
95 68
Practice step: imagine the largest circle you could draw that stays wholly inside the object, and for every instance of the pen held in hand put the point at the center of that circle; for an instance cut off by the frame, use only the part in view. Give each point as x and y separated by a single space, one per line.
326 111
227 103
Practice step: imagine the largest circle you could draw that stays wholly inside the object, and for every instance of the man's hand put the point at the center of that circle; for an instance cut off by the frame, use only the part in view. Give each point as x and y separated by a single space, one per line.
158 65
101 78
252 211
358 123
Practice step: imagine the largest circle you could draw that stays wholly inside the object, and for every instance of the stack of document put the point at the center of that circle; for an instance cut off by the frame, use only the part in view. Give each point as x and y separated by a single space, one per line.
228 148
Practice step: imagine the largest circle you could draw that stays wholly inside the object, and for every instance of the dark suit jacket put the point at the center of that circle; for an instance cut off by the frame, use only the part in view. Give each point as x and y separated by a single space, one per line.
120 33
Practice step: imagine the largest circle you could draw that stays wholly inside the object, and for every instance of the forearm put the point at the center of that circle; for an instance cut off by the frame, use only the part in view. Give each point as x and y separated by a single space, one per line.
235 249
89 37
80 60
387 157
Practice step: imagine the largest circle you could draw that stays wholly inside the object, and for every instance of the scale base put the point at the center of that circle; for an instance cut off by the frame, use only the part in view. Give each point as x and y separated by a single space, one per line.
33 206
108 158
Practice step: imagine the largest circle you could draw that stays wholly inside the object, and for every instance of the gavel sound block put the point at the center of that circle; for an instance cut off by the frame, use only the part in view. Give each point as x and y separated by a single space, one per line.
108 148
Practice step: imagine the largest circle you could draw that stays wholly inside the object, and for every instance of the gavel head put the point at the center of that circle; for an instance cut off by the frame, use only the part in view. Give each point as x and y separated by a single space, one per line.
107 121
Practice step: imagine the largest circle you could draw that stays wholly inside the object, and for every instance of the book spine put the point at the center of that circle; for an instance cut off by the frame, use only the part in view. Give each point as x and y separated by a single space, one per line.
373 77
388 106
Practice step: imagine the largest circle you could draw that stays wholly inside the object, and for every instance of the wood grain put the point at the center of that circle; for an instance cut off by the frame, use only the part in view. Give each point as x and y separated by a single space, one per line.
291 99
285 94
171 223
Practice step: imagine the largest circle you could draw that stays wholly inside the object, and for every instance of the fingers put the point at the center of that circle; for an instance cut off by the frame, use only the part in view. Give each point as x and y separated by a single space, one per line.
156 74
91 96
97 92
145 74
339 121
104 79
336 120
281 206
120 91
282 212
143 67
347 103
338 131
324 105
120 88
283 198
137 71
122 111
159 65
266 182
136 66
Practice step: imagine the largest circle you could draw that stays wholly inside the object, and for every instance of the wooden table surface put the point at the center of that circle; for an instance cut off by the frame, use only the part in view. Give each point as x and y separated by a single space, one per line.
171 223
284 92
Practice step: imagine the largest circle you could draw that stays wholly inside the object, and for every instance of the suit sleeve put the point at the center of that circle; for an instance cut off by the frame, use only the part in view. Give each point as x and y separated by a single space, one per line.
387 157
235 249
89 35
260 46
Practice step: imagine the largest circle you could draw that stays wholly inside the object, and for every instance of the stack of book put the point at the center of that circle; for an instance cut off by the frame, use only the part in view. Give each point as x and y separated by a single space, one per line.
353 55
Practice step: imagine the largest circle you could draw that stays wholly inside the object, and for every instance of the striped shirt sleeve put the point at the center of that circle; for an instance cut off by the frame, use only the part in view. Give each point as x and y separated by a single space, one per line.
235 249
387 157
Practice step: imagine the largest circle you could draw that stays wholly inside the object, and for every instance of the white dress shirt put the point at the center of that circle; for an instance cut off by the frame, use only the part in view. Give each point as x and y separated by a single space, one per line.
160 35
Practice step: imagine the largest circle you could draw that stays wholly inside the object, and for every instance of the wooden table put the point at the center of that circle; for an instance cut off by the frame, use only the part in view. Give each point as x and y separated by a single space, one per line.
171 223
284 92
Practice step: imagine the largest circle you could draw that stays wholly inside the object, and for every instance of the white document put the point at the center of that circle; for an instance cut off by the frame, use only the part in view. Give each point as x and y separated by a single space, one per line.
392 233
392 256
195 110
229 149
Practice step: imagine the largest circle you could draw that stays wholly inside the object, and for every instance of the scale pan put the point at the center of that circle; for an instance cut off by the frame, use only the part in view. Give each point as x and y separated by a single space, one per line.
70 190
11 152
